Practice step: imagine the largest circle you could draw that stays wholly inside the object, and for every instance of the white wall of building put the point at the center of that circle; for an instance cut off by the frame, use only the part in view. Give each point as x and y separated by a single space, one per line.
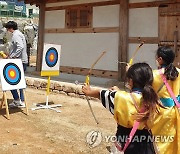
55 19
143 22
106 16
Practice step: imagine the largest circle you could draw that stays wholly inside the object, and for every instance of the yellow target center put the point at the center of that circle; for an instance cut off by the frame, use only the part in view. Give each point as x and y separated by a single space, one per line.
51 57
12 74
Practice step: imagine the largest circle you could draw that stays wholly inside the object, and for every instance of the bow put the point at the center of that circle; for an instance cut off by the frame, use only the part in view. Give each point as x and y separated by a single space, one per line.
132 58
135 52
87 81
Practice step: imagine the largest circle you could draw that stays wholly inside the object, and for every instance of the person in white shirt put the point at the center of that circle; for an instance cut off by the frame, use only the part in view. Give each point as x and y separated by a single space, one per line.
19 48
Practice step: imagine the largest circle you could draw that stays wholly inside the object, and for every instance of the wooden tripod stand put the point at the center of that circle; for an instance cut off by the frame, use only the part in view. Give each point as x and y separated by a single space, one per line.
4 102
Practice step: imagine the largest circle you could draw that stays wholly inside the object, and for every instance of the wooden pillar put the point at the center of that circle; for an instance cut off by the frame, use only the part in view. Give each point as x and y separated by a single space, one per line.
123 37
40 36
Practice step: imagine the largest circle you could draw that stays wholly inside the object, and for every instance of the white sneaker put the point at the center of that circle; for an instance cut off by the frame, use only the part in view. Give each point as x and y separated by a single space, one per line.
22 104
16 104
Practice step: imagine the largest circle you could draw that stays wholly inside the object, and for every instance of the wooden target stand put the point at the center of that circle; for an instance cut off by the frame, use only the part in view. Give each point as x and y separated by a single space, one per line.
47 106
4 102
14 68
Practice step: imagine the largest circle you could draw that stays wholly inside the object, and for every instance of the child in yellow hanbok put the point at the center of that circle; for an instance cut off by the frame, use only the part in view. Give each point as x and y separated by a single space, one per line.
165 57
164 87
158 130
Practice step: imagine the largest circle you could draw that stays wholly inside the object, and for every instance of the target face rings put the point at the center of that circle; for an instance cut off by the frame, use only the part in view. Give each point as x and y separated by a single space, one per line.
51 57
12 73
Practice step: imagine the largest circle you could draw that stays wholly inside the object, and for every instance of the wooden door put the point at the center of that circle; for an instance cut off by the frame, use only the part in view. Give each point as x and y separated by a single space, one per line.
169 28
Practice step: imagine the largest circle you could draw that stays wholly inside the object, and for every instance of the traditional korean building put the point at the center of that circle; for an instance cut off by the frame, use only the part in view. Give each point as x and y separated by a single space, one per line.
86 28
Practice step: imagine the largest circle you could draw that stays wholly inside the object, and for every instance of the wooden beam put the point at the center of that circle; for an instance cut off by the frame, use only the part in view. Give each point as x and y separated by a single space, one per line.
123 37
40 36
56 1
169 43
84 4
170 14
84 71
114 2
147 40
83 30
150 4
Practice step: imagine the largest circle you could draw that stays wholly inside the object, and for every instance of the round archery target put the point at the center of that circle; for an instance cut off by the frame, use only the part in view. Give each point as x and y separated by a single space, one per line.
51 60
51 57
12 73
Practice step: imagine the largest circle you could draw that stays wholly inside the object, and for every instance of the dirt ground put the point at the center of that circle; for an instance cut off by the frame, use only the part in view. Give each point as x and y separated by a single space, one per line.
33 60
46 131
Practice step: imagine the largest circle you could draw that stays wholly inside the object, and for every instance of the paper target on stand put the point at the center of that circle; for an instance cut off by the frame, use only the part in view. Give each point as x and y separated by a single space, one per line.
12 74
51 60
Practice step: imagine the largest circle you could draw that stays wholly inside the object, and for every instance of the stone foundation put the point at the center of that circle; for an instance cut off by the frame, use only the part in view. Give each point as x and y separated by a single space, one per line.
70 89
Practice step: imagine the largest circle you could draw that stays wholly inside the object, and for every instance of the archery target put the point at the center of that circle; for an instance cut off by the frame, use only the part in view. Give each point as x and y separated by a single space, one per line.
51 57
12 74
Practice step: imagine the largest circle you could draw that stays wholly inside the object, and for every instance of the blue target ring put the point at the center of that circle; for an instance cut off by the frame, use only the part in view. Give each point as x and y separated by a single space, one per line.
12 73
51 57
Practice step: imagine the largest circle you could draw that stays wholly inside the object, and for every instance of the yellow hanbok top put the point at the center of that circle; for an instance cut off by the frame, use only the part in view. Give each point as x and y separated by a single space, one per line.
163 124
157 83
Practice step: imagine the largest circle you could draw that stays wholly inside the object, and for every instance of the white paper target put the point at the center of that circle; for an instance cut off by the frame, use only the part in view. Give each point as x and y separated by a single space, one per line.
12 74
51 57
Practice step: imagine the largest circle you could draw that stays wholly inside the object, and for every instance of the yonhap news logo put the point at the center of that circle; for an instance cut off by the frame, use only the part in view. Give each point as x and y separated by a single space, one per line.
94 138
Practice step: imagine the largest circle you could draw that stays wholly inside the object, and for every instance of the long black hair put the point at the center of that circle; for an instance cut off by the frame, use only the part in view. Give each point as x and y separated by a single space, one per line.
168 56
142 77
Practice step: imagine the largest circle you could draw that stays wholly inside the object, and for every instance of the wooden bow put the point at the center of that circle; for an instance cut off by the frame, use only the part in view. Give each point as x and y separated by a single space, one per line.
87 81
135 52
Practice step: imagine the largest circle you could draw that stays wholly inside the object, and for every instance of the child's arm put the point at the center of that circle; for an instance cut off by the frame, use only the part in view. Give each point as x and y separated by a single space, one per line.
88 91
106 96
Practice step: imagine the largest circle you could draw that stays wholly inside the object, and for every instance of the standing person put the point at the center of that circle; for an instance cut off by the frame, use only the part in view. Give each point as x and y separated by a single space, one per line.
142 105
18 51
165 58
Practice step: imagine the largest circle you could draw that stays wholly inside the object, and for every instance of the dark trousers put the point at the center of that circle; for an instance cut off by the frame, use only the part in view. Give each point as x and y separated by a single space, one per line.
136 146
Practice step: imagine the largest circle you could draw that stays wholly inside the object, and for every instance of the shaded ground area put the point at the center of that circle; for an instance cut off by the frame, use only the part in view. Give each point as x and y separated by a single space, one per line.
45 131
